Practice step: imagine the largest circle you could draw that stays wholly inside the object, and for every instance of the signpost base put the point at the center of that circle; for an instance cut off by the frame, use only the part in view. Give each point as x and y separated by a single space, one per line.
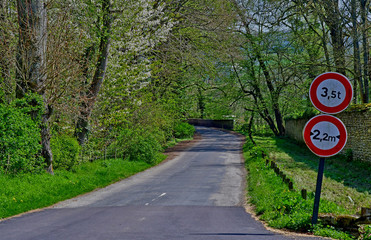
318 190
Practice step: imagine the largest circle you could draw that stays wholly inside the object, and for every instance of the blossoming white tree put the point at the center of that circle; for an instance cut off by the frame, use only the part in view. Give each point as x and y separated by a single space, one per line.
137 31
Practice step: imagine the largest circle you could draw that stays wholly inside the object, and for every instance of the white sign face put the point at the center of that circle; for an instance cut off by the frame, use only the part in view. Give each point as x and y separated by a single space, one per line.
331 92
325 135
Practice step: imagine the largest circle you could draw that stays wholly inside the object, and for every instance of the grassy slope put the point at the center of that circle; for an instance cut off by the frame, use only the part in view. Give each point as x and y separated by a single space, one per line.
281 208
346 183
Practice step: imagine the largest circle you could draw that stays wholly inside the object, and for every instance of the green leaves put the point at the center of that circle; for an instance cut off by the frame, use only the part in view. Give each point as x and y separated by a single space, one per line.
19 139
65 150
184 130
138 145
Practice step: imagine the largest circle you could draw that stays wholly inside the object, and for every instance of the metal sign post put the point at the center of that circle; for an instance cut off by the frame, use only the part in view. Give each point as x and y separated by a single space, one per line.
318 190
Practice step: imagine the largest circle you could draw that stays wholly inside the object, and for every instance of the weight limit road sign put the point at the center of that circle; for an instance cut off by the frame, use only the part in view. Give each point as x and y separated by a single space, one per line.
325 135
331 92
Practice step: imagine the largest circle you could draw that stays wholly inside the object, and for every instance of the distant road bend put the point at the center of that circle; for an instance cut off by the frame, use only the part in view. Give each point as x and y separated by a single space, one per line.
198 195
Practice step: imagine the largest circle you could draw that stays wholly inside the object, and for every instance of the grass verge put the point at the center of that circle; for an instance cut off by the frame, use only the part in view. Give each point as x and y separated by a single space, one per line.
25 192
285 209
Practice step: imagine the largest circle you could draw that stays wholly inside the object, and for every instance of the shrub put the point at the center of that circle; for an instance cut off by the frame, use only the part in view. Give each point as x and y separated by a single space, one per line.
65 150
19 142
31 104
365 232
138 145
184 130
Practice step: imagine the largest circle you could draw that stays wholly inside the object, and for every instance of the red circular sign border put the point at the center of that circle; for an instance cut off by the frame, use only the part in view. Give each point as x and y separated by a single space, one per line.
326 118
331 75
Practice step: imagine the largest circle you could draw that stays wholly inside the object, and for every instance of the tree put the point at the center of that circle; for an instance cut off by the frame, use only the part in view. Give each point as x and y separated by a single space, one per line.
342 22
365 4
259 50
90 96
333 18
31 63
8 45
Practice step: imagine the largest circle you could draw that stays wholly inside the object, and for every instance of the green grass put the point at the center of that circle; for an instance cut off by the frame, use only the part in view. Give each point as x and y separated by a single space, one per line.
25 192
329 231
175 141
22 193
345 183
282 208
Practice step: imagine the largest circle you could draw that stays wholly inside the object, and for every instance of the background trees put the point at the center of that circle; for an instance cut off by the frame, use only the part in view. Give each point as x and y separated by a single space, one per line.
284 45
104 67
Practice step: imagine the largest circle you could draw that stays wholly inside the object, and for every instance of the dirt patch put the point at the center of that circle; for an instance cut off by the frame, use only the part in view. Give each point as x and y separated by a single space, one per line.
173 152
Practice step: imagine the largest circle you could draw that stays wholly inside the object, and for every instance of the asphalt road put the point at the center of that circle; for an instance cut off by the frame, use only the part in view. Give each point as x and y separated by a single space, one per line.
197 195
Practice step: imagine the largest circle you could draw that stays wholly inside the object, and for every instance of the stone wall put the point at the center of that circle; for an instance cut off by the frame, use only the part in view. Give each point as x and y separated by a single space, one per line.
225 124
294 128
358 124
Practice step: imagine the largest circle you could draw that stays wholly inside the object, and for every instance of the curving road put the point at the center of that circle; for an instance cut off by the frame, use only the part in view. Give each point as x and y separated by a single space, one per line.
197 195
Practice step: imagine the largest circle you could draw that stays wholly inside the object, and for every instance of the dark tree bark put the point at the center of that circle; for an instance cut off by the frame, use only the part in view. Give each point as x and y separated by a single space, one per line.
4 58
90 96
274 96
201 102
333 20
249 125
31 63
366 78
357 55
257 95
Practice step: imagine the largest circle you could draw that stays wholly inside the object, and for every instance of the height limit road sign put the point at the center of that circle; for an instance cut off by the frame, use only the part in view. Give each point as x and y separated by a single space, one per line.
325 135
331 92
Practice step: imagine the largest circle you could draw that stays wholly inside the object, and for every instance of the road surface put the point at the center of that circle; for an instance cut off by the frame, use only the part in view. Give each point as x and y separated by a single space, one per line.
197 195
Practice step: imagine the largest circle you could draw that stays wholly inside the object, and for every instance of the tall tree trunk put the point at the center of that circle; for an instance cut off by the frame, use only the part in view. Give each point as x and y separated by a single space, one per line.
6 83
87 105
366 78
249 127
201 102
274 96
334 22
31 63
325 48
357 55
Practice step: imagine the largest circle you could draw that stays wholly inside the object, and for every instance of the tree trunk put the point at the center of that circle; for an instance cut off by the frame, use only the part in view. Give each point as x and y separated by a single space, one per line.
201 103
357 55
333 21
87 105
366 79
263 112
3 34
45 137
31 62
4 62
82 130
324 45
249 127
274 97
